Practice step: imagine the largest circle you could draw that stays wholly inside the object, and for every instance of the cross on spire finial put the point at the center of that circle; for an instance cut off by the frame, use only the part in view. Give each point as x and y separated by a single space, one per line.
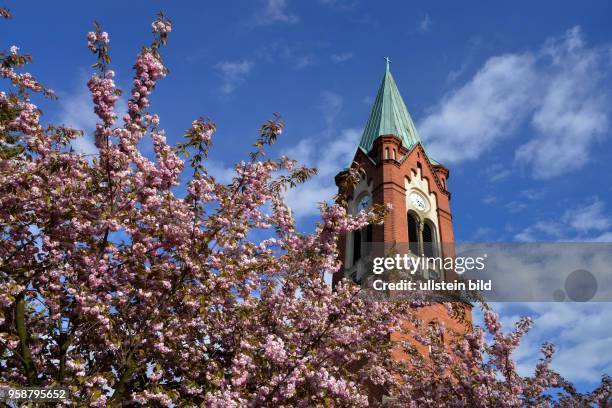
388 60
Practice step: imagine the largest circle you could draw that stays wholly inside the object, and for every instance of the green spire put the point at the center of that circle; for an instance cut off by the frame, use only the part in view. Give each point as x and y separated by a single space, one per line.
389 116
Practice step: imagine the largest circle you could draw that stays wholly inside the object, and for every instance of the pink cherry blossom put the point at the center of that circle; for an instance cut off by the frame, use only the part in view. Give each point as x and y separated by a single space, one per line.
116 284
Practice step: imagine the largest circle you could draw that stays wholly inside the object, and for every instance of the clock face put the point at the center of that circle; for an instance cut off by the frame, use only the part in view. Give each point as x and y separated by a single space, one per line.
364 203
418 201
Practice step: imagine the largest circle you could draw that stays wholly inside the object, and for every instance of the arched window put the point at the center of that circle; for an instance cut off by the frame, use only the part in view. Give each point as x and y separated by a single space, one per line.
386 152
394 154
356 246
363 235
413 238
428 240
360 237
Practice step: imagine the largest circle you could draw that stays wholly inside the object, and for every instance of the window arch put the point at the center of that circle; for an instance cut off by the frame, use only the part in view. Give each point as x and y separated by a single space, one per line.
428 239
413 233
361 237
421 236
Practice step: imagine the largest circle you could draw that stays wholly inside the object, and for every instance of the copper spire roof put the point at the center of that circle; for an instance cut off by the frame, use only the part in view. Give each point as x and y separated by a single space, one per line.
389 116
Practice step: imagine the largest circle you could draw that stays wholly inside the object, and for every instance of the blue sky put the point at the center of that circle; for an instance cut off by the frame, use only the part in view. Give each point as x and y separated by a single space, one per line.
513 97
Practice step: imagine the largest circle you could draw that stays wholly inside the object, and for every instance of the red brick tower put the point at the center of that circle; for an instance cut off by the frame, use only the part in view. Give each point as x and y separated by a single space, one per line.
399 171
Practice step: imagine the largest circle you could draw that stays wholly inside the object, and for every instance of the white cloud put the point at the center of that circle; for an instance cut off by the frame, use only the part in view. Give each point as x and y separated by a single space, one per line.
557 93
533 194
490 199
588 218
472 119
341 57
483 233
516 206
572 114
425 23
585 222
218 169
455 74
329 157
77 112
550 230
605 237
576 329
275 11
329 152
303 62
233 74
522 202
331 105
298 55
497 172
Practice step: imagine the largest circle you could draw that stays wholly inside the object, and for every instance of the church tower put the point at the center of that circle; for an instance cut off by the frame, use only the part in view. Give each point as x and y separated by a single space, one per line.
399 171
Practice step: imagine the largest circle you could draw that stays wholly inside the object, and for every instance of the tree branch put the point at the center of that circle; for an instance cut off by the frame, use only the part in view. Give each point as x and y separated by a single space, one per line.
125 379
20 324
